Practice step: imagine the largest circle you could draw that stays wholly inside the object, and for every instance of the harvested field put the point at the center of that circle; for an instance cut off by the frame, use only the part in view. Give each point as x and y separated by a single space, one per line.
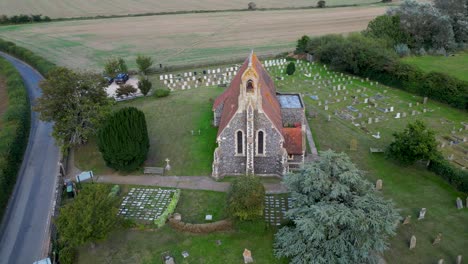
188 39
84 8
3 99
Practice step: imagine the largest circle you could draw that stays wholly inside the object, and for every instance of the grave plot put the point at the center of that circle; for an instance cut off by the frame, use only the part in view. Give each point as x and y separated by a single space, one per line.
145 204
275 208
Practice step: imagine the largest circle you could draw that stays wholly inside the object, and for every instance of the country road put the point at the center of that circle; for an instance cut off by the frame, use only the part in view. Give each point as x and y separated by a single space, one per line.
24 228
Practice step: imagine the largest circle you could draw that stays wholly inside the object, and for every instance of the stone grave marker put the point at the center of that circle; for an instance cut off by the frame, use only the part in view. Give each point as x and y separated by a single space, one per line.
422 214
378 185
407 220
412 242
247 256
326 107
459 259
353 145
370 120
437 239
459 202
425 100
397 115
441 261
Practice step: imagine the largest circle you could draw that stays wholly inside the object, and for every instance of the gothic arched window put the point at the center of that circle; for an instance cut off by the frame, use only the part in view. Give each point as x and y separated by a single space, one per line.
260 142
240 142
250 86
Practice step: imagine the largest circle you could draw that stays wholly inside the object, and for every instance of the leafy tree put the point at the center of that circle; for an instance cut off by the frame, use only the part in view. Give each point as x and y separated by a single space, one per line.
145 86
246 198
457 10
426 24
89 218
321 4
123 140
252 6
402 50
115 66
302 43
388 28
291 68
75 102
416 142
144 64
337 217
126 89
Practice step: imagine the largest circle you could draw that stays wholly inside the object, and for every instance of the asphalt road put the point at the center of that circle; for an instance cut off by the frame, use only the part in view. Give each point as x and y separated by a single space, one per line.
24 229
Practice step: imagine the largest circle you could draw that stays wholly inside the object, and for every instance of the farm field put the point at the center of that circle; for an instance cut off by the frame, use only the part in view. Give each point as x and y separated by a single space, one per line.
188 39
456 65
86 8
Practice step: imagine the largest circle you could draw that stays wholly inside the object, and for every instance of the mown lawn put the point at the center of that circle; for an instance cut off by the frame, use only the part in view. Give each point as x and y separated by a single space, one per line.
170 122
456 65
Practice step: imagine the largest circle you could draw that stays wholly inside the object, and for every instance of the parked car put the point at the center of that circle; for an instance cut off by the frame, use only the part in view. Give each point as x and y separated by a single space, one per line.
121 78
109 80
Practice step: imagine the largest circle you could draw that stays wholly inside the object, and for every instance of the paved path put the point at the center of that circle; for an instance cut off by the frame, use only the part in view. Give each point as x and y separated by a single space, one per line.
24 230
310 139
182 182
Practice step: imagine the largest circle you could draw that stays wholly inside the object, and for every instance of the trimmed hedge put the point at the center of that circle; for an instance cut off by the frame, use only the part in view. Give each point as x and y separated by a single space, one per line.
161 220
39 63
456 177
14 132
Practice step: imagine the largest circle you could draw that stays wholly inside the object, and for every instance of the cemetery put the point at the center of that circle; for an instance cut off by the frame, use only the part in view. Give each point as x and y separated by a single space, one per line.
345 113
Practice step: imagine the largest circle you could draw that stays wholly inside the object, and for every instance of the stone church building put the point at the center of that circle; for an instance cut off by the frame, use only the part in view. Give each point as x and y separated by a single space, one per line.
260 131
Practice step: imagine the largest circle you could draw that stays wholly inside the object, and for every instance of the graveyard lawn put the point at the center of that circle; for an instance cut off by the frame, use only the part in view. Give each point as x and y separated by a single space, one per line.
170 121
144 246
456 65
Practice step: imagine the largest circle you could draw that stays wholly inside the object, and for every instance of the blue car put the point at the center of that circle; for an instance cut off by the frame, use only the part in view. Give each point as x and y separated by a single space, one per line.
121 78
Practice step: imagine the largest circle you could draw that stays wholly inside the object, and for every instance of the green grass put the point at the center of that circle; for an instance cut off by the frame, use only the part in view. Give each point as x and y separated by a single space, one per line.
195 205
456 65
170 121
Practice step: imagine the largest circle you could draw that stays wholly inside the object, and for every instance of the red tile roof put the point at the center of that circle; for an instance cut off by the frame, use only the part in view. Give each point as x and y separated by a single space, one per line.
293 140
270 103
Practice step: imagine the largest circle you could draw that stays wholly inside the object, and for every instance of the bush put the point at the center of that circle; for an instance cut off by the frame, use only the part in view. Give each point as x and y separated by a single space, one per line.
246 198
161 92
321 4
252 6
145 86
39 63
126 89
14 132
291 68
402 50
123 139
22 19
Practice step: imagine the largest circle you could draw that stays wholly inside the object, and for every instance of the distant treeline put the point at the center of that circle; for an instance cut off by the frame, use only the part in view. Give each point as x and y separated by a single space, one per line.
23 19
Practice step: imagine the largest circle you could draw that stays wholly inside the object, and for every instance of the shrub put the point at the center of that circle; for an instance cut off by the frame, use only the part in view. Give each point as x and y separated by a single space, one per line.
321 4
126 89
161 92
402 50
456 177
252 6
291 68
246 197
145 86
14 132
123 139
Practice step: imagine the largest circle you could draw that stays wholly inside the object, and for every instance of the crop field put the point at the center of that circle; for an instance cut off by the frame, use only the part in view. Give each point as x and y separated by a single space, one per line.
188 39
85 8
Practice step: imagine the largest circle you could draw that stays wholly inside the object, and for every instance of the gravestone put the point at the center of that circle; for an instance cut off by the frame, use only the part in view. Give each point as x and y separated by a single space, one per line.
407 220
370 120
326 107
397 115
422 214
459 259
425 100
177 217
391 108
185 254
378 185
437 239
441 261
413 112
410 104
459 203
412 242
247 256
404 114
329 118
